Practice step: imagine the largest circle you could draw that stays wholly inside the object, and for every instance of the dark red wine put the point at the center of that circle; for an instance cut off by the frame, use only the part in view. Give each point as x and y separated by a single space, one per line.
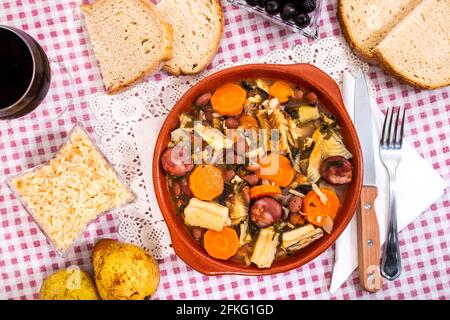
24 73
16 68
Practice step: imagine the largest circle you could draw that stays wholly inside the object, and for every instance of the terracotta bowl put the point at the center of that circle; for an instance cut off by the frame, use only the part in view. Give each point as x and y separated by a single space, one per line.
308 76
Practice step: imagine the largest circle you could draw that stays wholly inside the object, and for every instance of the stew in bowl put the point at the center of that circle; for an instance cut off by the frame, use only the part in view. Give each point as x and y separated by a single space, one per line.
257 171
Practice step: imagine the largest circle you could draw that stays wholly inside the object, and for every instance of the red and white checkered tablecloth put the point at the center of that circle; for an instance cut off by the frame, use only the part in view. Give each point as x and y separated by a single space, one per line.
26 257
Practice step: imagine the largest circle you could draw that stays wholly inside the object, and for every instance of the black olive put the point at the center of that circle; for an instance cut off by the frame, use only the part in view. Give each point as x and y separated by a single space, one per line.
272 7
288 11
252 3
262 3
302 20
307 6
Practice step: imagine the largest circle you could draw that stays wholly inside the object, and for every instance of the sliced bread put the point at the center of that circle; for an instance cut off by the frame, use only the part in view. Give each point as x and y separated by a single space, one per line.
364 23
130 39
417 50
198 26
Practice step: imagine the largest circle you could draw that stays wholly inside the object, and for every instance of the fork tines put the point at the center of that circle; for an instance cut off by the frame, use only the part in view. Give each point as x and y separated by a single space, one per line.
391 138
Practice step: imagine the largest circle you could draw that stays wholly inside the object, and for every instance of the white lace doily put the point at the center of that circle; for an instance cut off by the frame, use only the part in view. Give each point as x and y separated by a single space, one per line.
142 223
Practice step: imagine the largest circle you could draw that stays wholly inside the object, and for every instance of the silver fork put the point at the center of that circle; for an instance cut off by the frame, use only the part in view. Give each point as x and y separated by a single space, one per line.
391 155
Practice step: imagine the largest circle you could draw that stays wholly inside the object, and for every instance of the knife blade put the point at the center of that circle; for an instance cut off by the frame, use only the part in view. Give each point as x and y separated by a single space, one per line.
364 127
368 229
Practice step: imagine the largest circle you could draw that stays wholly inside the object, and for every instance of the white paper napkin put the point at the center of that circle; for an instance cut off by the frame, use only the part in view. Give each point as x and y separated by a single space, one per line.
413 198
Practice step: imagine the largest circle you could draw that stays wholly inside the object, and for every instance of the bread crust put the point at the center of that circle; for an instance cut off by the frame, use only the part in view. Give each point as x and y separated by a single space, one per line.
377 57
166 53
390 68
358 50
177 71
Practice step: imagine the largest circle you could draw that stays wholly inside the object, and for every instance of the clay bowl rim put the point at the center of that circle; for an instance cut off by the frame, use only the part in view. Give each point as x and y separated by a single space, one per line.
308 76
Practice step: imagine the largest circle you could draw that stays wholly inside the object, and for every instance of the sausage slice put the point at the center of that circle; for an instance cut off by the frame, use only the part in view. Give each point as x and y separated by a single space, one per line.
336 170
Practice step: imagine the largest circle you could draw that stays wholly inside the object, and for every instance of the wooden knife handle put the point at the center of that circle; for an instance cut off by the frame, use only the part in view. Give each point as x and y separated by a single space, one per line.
369 241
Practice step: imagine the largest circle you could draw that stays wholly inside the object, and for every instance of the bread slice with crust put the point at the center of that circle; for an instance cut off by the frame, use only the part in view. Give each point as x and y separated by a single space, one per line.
417 50
198 26
130 40
365 23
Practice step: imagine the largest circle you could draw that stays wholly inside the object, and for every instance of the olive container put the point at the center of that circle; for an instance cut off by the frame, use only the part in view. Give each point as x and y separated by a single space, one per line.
311 30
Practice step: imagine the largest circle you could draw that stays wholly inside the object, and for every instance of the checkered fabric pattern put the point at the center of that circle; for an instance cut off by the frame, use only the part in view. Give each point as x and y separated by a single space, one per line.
26 257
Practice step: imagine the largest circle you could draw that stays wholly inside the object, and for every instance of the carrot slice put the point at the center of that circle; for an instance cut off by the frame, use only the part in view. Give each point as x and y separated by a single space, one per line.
221 244
316 211
333 202
229 99
206 182
314 208
276 168
247 121
281 90
264 190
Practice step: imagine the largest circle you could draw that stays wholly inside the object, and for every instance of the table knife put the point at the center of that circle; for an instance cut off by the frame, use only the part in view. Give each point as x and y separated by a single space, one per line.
368 229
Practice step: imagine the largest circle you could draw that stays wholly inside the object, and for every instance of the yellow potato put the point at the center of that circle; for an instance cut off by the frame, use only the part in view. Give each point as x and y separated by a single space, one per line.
69 284
124 271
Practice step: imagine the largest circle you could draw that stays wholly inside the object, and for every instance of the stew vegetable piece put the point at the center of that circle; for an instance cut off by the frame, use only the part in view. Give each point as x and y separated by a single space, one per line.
228 99
221 244
276 168
257 170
